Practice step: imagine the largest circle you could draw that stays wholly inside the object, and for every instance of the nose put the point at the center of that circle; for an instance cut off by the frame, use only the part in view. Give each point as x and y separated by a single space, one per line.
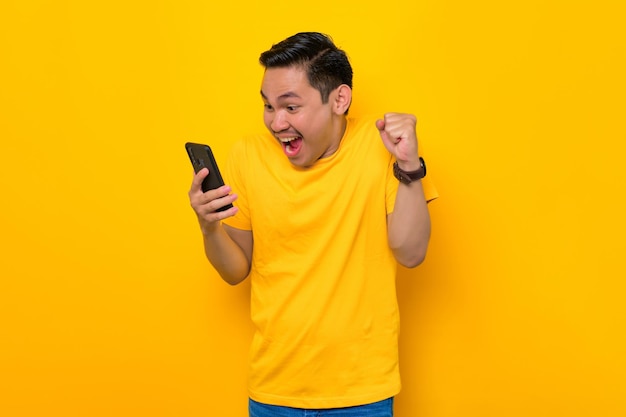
279 122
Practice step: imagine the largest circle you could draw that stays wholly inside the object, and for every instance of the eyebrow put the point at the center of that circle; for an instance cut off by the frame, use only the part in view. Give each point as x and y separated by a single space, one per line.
288 94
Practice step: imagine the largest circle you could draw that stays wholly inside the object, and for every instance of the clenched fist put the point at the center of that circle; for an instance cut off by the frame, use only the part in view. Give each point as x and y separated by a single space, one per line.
398 132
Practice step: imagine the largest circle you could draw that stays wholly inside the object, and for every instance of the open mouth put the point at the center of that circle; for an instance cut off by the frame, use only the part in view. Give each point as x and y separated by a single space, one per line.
291 145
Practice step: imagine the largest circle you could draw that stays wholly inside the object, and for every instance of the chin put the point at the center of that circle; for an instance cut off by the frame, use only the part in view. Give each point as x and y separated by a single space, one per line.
301 163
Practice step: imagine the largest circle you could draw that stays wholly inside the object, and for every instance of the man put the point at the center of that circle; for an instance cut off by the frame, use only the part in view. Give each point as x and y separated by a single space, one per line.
326 205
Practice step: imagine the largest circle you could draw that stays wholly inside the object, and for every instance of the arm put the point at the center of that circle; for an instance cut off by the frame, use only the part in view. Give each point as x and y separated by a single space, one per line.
408 227
228 249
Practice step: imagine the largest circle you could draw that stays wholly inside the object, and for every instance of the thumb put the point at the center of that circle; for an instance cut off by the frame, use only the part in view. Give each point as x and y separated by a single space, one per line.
380 125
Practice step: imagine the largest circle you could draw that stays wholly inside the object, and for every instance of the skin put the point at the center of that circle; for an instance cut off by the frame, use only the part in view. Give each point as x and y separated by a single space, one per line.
293 108
409 224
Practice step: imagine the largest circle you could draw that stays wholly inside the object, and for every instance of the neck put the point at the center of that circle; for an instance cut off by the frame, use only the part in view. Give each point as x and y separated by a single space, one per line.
337 131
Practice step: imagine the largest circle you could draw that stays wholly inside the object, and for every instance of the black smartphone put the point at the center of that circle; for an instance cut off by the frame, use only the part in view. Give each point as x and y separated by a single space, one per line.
201 156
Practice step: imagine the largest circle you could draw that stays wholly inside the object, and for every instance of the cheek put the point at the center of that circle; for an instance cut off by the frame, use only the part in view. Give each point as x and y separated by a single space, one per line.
315 127
267 120
304 124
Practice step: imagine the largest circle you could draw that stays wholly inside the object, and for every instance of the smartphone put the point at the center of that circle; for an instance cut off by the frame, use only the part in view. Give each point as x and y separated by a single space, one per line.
201 156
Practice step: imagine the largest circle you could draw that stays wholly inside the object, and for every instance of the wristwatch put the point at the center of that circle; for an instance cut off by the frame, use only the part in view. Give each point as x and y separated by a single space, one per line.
407 177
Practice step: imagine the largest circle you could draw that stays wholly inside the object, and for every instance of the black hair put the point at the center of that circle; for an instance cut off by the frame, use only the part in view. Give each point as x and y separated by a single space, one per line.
326 65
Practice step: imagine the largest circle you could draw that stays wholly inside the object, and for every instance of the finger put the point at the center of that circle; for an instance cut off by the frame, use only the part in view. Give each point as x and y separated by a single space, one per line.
196 184
211 207
217 193
224 201
392 133
380 125
221 215
383 129
207 198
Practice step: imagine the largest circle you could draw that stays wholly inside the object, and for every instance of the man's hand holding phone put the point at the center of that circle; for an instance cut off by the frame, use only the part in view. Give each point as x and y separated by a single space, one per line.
209 206
228 249
209 197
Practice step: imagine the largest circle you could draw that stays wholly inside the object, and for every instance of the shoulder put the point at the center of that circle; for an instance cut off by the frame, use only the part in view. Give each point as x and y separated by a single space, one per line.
365 124
364 135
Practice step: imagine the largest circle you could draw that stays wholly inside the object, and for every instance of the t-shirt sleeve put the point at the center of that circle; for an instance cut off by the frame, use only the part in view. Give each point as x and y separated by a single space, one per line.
235 175
392 186
430 192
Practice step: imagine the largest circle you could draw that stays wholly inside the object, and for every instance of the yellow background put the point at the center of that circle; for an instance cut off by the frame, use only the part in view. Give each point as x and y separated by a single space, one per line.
107 305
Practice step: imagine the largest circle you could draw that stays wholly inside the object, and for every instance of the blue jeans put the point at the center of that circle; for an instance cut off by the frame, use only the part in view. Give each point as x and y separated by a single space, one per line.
382 408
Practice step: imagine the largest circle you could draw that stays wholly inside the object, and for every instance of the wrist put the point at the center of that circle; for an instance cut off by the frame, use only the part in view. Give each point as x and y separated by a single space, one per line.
406 176
208 228
409 165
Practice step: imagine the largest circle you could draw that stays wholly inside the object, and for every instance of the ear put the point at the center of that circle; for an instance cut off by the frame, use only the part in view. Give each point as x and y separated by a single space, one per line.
342 98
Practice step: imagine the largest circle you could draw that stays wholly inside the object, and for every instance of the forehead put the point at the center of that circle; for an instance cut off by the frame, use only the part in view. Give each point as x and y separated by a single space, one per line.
288 82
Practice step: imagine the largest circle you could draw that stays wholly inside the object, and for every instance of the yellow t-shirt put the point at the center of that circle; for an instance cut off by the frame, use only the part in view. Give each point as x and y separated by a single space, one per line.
323 276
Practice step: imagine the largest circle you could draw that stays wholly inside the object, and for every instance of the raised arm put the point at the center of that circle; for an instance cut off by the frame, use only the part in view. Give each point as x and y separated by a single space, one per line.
409 224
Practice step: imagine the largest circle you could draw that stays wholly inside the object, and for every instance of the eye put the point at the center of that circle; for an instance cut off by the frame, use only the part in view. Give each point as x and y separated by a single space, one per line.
292 108
268 107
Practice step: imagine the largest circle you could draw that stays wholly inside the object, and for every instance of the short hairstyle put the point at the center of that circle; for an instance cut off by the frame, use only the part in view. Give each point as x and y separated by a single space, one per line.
327 66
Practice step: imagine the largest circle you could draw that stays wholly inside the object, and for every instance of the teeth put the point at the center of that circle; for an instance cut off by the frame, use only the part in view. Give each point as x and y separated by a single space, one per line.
287 140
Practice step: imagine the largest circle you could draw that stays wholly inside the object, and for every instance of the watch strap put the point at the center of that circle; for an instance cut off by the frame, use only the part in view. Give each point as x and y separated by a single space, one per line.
407 177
